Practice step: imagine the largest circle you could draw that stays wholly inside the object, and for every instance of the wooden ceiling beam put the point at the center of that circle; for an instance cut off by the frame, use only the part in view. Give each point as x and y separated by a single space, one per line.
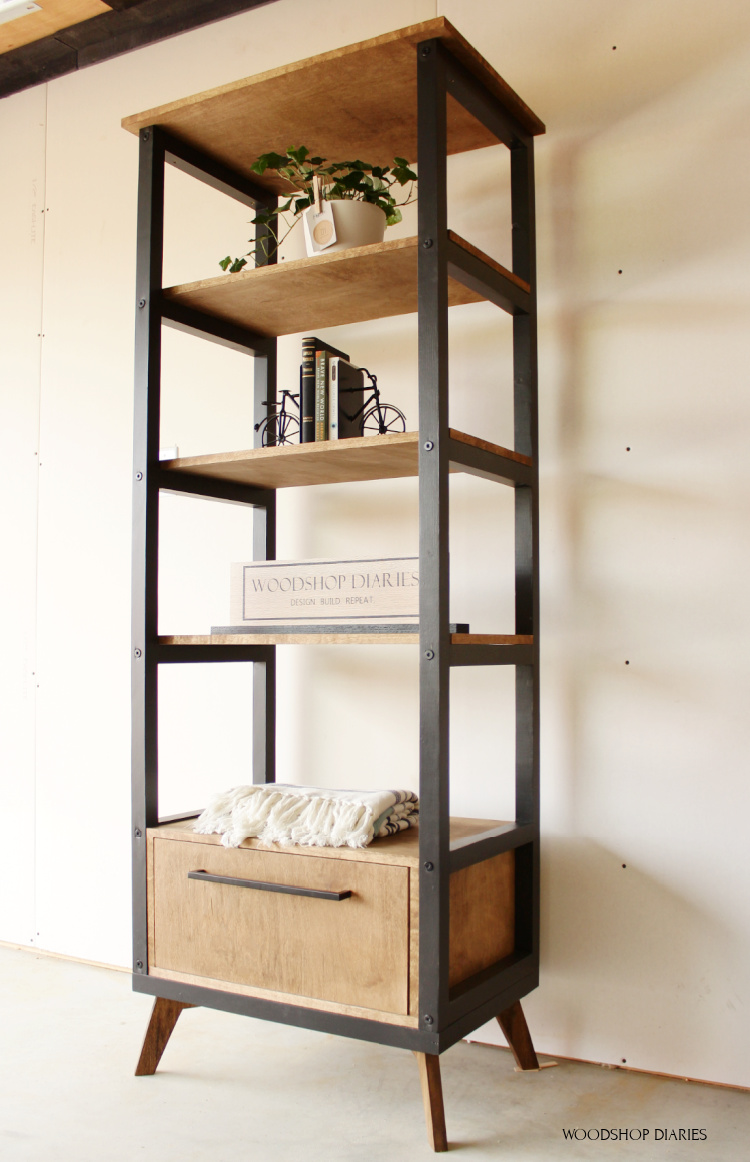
130 25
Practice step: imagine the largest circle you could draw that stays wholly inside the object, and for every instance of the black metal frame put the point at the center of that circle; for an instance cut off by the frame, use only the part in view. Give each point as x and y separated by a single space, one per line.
446 1014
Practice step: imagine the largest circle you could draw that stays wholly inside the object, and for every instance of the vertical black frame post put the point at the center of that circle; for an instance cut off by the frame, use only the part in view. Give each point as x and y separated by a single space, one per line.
264 549
144 673
434 633
525 393
157 148
264 538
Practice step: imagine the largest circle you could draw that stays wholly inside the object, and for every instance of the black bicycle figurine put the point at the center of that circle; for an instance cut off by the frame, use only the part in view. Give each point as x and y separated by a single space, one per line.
382 417
280 427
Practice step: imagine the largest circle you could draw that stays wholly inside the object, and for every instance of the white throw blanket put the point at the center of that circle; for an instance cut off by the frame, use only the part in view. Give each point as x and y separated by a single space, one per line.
312 816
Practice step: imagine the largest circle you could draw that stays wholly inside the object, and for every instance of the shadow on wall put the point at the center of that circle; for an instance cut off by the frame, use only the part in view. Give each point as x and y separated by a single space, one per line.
645 414
627 961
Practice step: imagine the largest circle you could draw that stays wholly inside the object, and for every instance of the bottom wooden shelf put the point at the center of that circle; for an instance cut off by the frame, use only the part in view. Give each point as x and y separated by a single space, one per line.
357 955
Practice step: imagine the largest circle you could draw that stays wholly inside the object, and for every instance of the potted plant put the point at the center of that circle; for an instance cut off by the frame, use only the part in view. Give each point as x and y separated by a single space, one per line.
354 197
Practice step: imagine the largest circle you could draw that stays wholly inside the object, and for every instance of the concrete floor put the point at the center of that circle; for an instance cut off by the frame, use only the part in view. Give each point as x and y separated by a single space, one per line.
230 1087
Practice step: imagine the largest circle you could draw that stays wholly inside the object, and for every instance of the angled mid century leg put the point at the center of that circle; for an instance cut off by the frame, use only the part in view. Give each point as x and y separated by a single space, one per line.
432 1096
513 1024
163 1020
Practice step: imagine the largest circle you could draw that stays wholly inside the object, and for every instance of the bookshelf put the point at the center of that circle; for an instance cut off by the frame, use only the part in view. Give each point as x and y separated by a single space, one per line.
456 906
346 461
348 286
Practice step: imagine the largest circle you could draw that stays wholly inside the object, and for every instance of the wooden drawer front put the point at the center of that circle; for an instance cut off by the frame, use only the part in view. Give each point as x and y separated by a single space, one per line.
353 951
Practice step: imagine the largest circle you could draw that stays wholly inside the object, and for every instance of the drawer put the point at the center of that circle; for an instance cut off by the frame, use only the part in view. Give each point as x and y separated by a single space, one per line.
353 951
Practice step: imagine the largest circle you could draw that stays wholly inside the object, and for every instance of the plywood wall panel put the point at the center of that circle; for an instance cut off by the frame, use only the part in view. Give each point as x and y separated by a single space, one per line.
22 132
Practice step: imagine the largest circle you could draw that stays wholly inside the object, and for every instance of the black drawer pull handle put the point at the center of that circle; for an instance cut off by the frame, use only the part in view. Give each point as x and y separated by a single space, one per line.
262 886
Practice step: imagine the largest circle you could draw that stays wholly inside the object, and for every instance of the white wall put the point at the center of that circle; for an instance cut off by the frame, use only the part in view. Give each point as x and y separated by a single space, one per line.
645 170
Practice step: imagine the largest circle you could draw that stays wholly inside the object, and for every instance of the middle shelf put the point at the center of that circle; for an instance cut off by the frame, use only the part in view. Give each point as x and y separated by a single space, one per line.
345 286
345 461
496 640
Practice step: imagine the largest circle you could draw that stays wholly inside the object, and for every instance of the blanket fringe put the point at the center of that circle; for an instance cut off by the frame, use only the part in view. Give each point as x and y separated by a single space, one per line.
277 817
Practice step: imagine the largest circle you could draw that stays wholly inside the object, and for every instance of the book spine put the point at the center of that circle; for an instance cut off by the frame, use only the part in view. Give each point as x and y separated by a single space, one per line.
333 398
321 395
307 392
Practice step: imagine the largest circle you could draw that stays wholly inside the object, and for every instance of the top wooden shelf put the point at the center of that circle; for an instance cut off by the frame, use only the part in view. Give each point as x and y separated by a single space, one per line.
357 101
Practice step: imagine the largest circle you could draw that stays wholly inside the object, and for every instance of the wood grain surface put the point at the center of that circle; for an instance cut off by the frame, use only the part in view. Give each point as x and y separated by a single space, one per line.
432 1098
163 1020
354 951
53 15
339 639
244 990
482 911
512 1021
389 457
372 117
401 849
328 290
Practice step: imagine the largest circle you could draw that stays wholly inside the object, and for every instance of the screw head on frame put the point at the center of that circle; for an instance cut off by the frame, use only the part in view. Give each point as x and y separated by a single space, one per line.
429 654
427 243
136 653
429 1020
429 866
428 445
141 303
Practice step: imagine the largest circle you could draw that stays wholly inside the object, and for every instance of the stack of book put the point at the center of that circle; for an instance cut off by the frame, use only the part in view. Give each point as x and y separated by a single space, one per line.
332 393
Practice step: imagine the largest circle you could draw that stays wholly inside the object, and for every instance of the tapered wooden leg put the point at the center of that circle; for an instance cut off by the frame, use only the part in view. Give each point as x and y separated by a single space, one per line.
163 1020
513 1024
432 1096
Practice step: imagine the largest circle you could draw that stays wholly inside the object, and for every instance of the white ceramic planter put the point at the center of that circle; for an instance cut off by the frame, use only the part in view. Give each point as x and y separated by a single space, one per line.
357 224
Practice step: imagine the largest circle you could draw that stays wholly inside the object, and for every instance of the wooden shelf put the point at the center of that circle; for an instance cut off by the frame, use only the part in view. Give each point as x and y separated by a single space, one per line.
327 290
397 849
338 639
373 115
323 462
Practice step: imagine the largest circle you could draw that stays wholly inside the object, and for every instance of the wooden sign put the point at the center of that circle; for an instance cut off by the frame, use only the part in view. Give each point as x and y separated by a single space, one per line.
340 592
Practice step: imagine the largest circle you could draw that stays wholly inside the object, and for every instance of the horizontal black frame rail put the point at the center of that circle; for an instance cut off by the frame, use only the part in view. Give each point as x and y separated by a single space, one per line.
340 1024
189 160
180 817
510 992
479 276
489 655
191 484
465 88
267 886
478 461
168 654
320 1020
193 322
495 841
